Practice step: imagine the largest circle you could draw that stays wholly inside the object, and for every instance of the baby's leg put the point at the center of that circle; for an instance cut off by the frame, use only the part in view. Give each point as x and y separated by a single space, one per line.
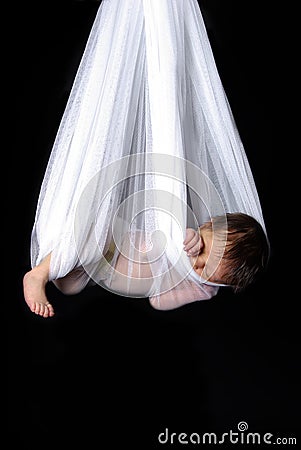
74 282
34 283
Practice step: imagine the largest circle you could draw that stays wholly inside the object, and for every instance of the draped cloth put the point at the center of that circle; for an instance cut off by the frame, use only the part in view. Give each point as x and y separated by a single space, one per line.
147 146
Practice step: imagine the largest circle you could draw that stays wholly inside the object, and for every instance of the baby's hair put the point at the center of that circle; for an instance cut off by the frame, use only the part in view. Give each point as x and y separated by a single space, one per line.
247 249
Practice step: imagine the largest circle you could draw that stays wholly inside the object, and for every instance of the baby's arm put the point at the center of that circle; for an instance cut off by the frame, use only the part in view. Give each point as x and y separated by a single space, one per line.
186 292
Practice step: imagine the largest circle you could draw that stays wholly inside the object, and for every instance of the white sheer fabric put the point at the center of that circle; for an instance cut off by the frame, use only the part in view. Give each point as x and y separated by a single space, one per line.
147 146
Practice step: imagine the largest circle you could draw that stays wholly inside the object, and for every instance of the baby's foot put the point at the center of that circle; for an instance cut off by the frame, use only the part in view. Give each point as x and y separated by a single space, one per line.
35 296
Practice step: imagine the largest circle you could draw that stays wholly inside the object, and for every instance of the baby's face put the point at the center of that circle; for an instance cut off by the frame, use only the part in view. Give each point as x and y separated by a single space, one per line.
209 264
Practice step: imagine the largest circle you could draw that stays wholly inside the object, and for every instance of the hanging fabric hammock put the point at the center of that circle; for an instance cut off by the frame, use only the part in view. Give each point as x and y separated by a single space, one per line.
147 146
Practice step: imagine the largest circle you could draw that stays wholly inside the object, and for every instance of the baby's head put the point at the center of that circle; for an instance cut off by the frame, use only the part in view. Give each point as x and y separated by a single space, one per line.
245 250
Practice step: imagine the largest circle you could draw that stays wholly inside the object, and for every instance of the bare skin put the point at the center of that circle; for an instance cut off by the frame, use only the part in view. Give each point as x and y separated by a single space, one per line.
210 269
34 283
196 245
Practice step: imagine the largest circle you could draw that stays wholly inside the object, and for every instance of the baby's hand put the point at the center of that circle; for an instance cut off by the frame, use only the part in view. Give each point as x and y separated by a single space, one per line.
193 242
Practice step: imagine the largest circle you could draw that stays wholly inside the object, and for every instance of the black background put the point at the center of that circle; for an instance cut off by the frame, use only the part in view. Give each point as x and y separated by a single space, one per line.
108 371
